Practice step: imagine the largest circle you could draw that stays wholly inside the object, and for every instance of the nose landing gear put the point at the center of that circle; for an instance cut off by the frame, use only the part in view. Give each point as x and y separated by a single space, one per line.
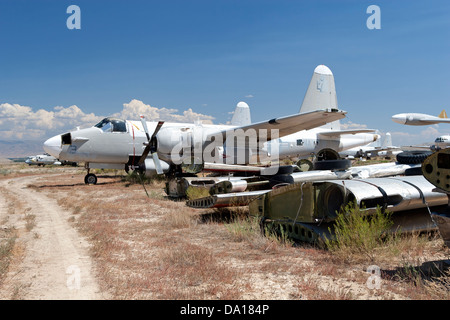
90 178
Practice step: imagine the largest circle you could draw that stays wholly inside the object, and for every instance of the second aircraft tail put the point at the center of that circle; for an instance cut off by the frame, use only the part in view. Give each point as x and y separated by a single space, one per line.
321 94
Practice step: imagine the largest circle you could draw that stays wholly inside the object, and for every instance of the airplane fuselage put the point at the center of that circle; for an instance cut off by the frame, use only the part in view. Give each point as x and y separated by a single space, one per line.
124 141
308 142
442 141
418 119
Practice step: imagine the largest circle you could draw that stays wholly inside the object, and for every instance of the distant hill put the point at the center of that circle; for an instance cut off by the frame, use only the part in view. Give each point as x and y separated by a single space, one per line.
20 148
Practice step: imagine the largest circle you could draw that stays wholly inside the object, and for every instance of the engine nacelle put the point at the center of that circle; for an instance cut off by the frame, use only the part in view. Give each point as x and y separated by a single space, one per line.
149 168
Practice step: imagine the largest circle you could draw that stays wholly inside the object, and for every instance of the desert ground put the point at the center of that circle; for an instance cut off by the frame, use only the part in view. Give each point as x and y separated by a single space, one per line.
61 240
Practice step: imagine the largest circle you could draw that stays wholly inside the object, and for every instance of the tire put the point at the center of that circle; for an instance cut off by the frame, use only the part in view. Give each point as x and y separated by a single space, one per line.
328 154
412 157
90 178
285 169
414 171
341 164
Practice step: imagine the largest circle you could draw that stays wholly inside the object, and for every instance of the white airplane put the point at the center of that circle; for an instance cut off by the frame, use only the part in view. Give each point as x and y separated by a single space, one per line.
442 142
378 148
420 119
120 144
41 160
387 148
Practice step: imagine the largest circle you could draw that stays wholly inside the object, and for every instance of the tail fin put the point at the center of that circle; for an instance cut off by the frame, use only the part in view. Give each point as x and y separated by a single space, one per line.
387 140
443 114
321 94
241 116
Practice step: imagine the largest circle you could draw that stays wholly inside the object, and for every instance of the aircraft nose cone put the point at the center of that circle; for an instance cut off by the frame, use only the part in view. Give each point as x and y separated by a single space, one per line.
53 146
399 118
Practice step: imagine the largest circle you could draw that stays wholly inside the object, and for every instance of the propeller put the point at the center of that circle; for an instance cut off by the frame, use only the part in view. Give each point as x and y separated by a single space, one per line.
151 146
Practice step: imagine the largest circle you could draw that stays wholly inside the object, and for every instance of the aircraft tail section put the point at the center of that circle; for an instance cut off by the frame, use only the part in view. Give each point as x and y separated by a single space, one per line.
387 142
443 114
321 94
241 116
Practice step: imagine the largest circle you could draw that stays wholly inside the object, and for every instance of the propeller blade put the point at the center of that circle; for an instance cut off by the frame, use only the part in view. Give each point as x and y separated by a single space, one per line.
144 154
159 169
158 127
152 145
144 124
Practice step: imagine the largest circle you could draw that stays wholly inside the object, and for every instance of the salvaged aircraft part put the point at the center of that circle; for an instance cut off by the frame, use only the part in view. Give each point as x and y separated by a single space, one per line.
226 200
314 175
337 164
436 169
417 220
226 168
392 193
412 157
327 154
313 202
230 186
320 201
304 232
177 187
382 170
305 165
403 222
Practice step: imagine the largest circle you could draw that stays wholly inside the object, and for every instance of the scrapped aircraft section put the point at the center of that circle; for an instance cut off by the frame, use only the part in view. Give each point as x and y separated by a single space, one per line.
305 204
311 206
436 169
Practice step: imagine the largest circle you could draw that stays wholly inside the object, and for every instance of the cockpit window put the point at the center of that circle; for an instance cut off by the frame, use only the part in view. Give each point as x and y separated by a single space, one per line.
112 125
119 126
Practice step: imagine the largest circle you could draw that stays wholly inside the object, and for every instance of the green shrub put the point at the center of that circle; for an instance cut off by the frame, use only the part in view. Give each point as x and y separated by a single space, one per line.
357 233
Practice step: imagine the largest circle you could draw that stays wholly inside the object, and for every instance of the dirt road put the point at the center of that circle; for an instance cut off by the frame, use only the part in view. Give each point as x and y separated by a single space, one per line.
51 260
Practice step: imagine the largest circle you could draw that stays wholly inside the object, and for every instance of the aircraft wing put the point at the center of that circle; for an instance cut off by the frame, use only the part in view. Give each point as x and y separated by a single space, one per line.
338 133
288 125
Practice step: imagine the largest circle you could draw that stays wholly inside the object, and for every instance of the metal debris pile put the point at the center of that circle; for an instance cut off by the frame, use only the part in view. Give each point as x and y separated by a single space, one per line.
305 203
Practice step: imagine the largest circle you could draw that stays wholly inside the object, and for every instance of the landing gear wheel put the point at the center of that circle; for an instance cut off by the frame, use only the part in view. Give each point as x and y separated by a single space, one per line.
90 178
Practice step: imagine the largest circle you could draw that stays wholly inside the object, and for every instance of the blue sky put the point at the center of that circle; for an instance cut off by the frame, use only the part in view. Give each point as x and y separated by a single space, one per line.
209 55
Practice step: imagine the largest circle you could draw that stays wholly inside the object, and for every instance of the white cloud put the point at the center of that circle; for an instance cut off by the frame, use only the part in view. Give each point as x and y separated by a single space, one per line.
423 136
21 122
135 108
350 125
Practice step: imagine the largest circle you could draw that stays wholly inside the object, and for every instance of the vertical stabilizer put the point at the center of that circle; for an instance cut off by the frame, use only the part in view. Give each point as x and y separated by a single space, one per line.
387 141
241 116
443 114
321 94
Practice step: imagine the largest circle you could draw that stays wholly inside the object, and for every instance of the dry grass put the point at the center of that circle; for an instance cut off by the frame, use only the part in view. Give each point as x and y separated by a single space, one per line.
156 248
